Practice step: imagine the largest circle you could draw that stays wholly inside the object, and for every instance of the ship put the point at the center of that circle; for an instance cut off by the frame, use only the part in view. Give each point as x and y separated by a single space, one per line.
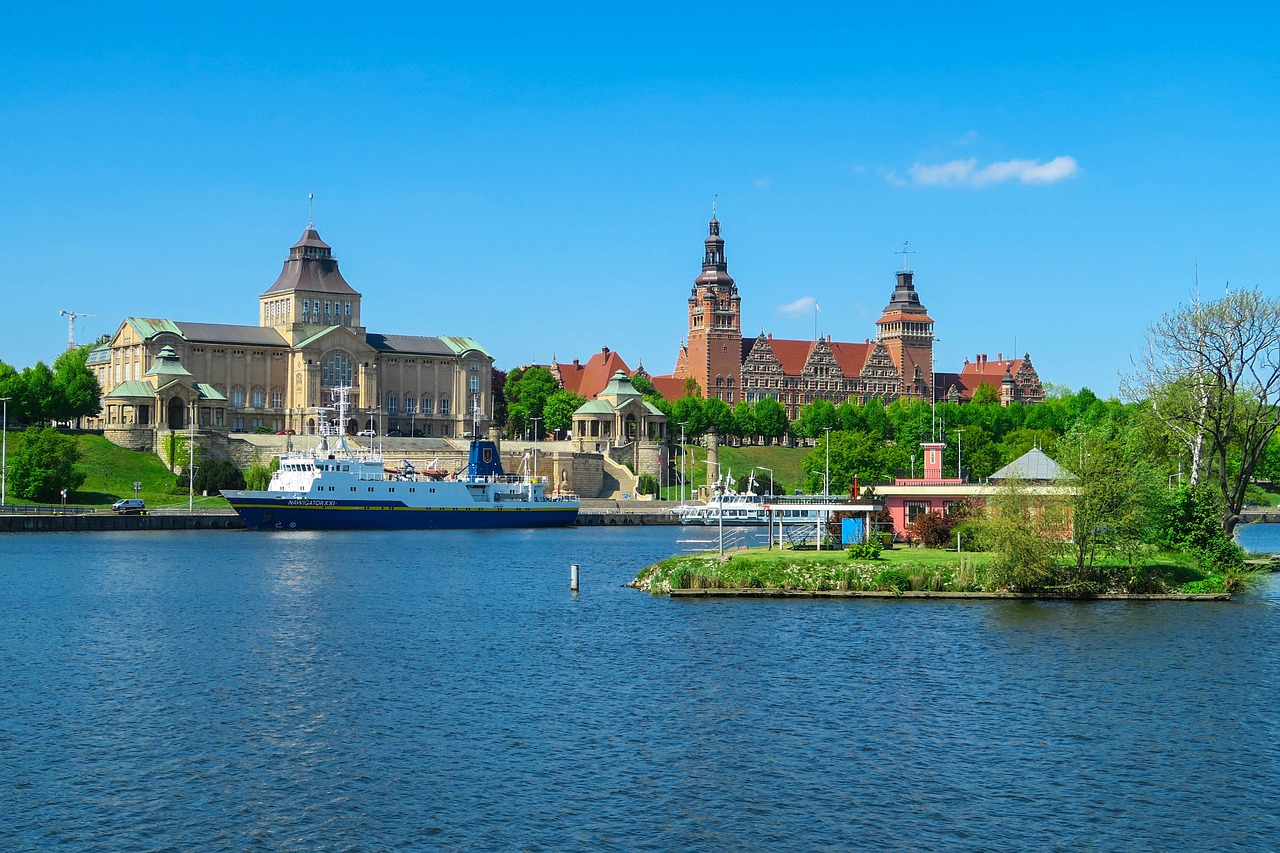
335 487
727 507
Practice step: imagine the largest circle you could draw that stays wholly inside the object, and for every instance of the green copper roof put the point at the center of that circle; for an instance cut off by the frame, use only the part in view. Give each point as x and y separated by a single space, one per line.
461 345
595 407
132 388
167 364
147 328
208 392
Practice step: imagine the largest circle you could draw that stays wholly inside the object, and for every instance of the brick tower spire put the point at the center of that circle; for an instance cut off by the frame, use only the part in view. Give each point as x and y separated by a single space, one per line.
906 330
715 324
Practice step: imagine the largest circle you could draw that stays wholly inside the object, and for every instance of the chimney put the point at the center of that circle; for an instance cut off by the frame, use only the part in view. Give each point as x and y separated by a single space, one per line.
999 356
604 350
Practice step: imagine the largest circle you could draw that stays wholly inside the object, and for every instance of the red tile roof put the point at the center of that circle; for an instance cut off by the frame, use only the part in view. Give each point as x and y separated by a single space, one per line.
669 387
590 379
791 354
851 357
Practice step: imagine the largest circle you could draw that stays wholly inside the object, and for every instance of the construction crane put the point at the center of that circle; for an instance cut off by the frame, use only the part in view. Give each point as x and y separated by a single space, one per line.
71 324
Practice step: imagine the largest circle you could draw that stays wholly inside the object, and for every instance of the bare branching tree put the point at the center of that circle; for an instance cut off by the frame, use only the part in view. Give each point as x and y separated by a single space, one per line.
1212 373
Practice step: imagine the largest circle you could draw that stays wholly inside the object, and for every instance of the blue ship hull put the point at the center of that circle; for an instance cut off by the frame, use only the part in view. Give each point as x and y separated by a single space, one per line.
271 514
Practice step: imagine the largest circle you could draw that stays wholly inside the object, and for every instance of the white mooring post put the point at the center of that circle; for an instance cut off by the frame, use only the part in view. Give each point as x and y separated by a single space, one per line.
573 577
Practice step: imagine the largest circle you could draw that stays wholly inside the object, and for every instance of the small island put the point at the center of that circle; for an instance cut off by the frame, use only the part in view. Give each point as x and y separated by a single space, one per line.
868 570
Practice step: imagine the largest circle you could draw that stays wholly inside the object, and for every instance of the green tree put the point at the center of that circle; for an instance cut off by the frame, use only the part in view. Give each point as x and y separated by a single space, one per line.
498 387
815 417
1025 532
718 415
687 410
858 454
692 388
641 383
218 474
771 419
79 392
560 407
527 390
744 420
42 463
1212 374
986 395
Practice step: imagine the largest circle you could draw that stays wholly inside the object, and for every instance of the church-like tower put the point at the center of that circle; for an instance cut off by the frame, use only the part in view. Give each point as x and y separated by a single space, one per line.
309 292
906 330
713 355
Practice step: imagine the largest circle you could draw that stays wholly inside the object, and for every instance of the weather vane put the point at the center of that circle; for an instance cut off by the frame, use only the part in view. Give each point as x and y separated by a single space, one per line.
906 256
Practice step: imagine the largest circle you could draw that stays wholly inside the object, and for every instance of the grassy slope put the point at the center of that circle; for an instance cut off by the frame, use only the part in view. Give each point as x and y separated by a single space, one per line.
785 462
111 471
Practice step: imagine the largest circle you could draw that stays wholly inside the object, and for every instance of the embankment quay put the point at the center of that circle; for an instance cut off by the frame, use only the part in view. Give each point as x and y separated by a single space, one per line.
594 513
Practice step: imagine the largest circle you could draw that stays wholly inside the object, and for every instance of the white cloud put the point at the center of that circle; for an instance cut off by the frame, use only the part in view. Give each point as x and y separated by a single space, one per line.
802 307
761 183
969 138
967 172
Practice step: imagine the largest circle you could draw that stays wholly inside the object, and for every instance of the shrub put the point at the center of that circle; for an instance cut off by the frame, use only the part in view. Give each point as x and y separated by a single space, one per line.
869 550
647 485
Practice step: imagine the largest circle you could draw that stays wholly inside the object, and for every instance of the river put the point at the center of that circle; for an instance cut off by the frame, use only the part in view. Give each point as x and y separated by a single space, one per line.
444 690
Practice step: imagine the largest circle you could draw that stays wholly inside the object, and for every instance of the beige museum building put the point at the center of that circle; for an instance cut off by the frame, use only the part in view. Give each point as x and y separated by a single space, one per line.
157 375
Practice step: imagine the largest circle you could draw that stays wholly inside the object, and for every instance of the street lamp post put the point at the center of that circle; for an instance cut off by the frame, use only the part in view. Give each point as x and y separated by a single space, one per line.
826 475
4 448
534 421
682 456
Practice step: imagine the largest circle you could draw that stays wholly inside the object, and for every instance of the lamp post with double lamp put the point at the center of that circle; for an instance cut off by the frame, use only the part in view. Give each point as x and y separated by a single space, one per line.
826 475
4 448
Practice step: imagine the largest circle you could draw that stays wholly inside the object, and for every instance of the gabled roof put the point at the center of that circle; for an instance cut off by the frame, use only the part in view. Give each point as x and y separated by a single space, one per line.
588 380
792 355
851 357
1033 465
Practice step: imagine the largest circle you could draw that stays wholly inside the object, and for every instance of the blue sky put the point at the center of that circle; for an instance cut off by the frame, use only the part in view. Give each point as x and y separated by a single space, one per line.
540 178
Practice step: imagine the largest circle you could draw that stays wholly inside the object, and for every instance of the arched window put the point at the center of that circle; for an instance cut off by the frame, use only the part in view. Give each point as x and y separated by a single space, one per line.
336 370
258 397
277 397
409 406
237 397
393 404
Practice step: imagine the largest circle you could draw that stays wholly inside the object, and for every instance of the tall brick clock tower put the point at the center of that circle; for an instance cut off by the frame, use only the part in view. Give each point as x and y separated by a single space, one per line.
714 351
906 330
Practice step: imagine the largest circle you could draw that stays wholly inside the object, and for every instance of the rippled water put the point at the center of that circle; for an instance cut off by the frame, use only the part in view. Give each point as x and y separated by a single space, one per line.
444 690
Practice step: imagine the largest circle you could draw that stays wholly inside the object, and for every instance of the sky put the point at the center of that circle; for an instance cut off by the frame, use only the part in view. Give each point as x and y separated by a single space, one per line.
540 177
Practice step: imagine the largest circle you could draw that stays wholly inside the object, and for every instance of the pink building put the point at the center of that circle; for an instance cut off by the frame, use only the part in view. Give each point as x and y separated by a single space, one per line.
908 498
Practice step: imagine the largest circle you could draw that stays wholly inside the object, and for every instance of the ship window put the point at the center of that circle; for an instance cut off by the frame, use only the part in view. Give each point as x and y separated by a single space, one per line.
392 489
411 491
353 488
371 488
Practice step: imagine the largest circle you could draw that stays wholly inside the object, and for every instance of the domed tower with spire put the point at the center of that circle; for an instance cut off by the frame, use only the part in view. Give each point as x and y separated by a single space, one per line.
906 330
310 292
714 349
